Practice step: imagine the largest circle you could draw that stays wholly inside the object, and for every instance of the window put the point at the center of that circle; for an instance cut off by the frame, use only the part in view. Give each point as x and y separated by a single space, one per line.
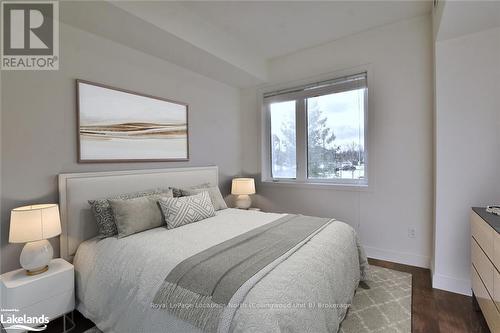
283 137
316 133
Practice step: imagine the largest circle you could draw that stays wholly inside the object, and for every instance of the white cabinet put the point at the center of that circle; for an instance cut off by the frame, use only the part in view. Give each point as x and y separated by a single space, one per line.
50 294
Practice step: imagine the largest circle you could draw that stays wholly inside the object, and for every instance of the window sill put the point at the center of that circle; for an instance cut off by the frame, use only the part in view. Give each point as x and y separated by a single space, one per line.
319 185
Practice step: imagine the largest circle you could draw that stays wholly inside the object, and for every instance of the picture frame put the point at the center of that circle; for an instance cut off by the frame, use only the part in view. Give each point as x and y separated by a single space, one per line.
118 125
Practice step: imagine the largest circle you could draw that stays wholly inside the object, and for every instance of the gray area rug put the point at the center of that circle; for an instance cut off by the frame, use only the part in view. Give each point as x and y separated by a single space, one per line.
382 305
93 330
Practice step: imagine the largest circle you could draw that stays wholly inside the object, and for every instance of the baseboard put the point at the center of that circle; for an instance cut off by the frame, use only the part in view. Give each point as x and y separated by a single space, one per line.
398 257
454 285
439 281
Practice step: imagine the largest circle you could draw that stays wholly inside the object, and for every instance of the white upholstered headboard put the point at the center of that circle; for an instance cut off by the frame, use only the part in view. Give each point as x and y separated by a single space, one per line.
75 189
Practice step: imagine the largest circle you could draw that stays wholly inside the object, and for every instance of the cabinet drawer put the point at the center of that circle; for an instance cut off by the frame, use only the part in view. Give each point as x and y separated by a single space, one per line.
483 266
487 306
21 290
483 234
51 308
496 289
496 249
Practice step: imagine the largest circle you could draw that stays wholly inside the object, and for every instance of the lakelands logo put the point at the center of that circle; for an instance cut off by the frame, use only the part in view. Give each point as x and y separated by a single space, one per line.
12 320
30 35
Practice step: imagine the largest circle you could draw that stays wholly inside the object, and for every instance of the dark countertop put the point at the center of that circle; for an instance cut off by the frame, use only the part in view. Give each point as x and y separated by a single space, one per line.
492 219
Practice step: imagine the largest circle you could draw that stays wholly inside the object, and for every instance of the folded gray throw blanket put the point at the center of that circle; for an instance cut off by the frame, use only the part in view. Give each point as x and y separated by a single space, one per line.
198 289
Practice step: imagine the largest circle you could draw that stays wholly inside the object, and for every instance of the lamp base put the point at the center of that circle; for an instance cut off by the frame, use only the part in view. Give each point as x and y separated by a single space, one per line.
38 271
35 256
243 201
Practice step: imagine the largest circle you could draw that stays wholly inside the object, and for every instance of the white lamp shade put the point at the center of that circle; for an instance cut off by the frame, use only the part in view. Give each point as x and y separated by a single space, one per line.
241 186
33 223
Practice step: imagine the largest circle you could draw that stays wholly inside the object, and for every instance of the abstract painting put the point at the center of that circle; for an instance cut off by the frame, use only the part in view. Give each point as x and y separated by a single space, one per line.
116 125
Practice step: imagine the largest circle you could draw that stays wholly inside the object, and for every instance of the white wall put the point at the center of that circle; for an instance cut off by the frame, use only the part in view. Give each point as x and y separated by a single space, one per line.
38 128
467 147
399 58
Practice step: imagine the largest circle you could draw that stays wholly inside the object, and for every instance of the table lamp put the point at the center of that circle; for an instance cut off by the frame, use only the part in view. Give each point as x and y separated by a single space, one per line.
33 225
242 187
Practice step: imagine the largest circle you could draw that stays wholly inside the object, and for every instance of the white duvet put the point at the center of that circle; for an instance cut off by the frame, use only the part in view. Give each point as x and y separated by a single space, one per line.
117 279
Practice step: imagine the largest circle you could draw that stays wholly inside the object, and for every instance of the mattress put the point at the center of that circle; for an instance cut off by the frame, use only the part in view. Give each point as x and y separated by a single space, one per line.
309 291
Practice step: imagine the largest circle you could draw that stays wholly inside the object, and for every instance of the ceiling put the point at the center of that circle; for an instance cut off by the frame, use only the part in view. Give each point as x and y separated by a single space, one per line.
232 41
458 18
276 28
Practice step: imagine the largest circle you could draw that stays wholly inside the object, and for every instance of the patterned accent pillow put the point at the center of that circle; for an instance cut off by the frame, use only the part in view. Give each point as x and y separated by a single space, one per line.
103 213
184 210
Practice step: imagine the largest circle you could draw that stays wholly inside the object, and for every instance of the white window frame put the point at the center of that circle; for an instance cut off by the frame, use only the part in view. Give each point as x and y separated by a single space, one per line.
300 94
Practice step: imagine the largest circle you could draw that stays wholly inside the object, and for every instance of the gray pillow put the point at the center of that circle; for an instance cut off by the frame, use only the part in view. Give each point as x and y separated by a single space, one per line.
104 214
213 192
136 215
179 192
184 210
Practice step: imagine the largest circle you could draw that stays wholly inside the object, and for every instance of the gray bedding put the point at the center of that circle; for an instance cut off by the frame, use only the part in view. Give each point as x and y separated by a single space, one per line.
198 289
306 290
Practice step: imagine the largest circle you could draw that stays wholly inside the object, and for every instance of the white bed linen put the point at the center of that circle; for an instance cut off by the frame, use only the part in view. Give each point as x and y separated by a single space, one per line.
117 279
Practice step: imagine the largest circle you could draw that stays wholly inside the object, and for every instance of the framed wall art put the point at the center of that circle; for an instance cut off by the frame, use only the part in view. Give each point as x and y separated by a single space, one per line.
117 125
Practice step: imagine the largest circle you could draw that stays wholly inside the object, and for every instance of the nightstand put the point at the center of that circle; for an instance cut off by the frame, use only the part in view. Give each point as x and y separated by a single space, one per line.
50 294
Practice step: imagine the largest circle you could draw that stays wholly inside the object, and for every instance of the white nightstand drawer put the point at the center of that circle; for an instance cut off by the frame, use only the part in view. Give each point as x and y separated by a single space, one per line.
52 307
20 291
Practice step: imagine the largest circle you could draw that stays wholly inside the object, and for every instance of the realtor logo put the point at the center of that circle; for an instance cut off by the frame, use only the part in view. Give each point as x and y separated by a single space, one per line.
12 320
30 37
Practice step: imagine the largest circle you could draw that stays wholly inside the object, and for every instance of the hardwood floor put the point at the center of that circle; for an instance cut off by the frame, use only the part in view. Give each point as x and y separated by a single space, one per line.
438 311
433 311
82 324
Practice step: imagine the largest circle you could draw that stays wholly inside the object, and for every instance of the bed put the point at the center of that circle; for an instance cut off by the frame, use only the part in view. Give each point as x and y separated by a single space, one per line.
308 289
